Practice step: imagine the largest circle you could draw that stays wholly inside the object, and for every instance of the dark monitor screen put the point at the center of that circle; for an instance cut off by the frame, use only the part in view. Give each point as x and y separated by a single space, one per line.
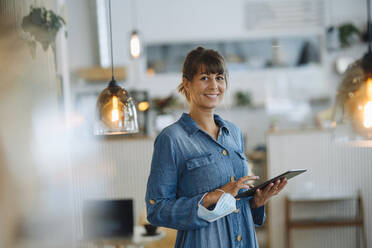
108 218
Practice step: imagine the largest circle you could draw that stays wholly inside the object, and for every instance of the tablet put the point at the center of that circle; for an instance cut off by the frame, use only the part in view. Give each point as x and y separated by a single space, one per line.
288 175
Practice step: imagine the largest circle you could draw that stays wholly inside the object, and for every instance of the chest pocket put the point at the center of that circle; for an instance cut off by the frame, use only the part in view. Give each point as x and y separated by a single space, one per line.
197 162
241 155
201 175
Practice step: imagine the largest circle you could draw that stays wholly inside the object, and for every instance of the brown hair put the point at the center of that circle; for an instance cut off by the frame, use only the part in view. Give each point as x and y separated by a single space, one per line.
211 62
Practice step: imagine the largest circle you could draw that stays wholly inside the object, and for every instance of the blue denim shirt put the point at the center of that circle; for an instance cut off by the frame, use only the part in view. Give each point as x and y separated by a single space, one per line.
187 162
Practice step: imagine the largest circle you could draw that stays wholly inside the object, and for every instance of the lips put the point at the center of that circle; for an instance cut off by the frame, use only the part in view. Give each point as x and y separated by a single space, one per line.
211 96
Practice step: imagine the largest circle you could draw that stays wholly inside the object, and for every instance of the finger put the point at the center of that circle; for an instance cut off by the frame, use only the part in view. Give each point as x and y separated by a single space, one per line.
244 186
274 190
268 189
258 193
281 186
247 178
282 181
276 185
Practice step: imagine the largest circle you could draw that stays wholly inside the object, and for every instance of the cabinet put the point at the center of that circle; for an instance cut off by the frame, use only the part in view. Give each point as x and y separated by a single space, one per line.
356 220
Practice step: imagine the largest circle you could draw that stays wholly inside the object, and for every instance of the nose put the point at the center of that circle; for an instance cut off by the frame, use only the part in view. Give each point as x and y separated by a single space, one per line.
213 83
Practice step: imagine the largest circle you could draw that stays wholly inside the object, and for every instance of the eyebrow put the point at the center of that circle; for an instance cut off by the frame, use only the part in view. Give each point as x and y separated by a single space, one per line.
211 73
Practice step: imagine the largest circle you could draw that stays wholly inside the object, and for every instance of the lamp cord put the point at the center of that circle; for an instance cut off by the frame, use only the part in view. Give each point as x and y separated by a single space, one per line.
134 14
369 26
112 54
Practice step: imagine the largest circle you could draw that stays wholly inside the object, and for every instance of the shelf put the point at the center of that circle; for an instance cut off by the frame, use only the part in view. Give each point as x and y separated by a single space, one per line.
332 222
293 201
321 198
241 54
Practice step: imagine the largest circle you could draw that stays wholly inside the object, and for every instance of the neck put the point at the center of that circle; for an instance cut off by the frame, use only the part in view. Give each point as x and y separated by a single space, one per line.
204 118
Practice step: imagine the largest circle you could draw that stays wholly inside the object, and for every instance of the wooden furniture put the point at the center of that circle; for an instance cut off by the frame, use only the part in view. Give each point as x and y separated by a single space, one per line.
356 221
99 74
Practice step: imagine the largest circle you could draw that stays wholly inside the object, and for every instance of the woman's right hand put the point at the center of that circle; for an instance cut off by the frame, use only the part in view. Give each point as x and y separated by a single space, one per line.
242 183
230 187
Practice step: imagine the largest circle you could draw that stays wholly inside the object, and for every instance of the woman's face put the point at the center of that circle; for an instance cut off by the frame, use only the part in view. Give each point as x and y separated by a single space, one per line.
206 90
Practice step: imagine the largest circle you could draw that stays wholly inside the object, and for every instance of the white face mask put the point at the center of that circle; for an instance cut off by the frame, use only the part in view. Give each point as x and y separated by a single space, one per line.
225 205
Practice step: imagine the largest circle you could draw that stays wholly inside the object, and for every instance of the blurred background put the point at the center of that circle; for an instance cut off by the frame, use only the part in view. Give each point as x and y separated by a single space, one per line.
286 60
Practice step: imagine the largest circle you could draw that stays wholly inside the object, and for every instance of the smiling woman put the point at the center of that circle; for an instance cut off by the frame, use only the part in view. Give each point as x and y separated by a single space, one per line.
204 84
199 166
203 62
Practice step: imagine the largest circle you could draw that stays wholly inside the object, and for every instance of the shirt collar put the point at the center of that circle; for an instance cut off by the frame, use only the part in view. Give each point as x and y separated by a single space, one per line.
191 127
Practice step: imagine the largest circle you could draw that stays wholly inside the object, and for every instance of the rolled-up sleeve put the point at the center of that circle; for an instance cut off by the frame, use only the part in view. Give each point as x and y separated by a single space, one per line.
164 208
258 215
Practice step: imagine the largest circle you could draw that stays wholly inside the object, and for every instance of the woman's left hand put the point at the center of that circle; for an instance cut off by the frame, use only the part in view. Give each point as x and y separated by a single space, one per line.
262 196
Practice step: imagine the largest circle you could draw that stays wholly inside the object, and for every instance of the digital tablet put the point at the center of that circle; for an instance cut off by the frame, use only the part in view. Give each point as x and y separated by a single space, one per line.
288 175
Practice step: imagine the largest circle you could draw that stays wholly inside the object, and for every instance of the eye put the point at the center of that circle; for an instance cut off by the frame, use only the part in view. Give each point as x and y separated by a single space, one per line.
220 78
204 78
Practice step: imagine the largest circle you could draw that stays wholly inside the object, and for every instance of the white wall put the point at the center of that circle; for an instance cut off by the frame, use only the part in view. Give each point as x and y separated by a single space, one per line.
115 167
82 34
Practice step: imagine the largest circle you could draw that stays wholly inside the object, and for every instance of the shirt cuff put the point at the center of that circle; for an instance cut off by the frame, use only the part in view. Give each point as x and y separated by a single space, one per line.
258 215
225 205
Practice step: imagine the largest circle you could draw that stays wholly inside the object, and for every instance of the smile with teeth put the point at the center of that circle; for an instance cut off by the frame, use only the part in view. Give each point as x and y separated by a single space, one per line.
213 96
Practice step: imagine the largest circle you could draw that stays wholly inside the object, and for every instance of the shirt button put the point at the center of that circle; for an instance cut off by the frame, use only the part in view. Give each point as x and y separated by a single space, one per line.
224 152
152 201
232 179
236 210
239 238
220 133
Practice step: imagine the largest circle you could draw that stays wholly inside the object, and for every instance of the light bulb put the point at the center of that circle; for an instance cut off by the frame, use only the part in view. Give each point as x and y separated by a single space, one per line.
135 45
143 106
115 110
367 115
367 110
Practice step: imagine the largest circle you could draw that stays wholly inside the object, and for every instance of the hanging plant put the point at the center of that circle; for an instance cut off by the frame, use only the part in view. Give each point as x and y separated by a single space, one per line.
43 26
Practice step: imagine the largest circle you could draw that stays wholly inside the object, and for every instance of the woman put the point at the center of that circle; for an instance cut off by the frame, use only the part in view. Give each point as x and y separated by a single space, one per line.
199 166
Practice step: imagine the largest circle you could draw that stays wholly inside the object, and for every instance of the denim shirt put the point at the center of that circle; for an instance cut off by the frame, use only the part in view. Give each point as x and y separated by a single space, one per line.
187 162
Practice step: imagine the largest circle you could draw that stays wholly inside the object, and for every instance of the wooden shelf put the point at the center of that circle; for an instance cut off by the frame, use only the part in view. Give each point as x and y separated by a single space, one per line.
326 222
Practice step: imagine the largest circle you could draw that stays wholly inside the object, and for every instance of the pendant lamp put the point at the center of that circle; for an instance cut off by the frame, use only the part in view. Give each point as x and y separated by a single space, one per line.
115 110
135 44
354 98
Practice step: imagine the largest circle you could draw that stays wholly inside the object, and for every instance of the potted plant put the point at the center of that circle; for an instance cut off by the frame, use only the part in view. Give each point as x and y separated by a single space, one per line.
43 26
162 107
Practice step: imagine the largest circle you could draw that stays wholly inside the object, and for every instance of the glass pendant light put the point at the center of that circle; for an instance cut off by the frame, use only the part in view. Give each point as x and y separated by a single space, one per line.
115 111
135 44
354 98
